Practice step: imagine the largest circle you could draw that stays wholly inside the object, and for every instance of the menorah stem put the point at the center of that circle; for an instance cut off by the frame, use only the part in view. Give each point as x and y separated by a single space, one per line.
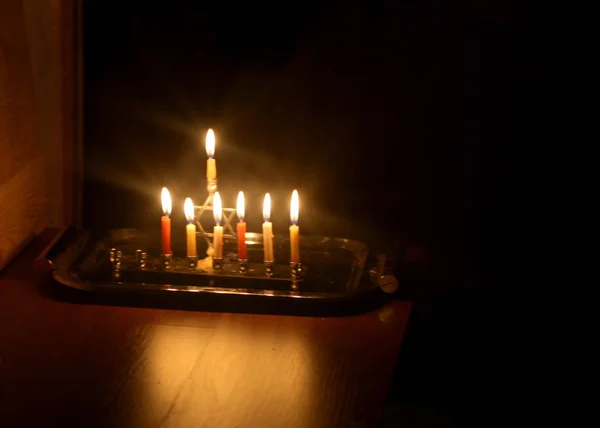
211 187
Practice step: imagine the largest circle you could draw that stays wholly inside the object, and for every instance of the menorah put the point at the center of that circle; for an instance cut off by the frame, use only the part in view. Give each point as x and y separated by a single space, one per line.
256 265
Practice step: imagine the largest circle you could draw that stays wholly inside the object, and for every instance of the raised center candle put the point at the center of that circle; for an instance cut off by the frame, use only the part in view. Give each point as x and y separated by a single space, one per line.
294 229
211 164
241 227
190 229
166 221
267 228
218 230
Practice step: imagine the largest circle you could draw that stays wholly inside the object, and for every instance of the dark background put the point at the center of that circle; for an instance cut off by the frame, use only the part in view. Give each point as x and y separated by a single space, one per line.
380 113
371 109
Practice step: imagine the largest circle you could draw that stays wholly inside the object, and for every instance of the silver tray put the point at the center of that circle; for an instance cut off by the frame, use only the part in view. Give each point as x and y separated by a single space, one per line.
338 277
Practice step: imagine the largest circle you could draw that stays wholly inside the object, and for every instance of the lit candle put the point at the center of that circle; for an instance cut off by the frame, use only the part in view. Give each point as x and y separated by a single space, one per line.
241 227
294 229
211 164
166 221
267 229
218 230
190 229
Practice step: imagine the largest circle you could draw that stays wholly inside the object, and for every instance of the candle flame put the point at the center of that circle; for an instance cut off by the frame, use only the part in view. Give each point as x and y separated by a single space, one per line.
267 208
217 208
210 143
294 207
188 209
241 206
165 198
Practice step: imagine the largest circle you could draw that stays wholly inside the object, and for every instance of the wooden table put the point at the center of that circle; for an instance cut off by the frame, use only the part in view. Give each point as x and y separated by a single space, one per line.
65 364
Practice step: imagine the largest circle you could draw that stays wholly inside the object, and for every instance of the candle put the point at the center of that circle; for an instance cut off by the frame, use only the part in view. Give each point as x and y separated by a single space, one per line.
294 229
166 221
190 229
211 164
218 230
267 229
241 227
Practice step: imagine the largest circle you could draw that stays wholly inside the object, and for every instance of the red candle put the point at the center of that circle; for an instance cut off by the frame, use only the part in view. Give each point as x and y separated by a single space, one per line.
241 227
166 221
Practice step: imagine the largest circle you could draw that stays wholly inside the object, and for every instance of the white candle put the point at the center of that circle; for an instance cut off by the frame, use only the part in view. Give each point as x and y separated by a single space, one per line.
190 229
267 229
294 229
211 163
218 229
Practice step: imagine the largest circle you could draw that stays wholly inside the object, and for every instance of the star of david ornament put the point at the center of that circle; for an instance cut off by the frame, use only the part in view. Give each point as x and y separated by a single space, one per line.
207 206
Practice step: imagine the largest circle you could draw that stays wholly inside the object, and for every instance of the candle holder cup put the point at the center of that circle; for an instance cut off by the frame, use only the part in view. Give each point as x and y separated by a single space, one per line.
217 263
192 261
116 272
269 268
140 257
243 265
115 257
295 271
167 259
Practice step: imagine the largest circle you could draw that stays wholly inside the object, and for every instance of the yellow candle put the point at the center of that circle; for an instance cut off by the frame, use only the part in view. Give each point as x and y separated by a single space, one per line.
294 229
218 229
190 229
267 229
211 164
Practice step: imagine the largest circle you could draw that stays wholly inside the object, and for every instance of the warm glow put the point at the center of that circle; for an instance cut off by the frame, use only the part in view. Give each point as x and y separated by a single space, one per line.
217 208
210 143
188 209
241 207
267 208
165 198
294 207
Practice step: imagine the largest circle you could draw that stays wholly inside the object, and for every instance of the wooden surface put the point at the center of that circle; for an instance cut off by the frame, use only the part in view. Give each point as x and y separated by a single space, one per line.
72 365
